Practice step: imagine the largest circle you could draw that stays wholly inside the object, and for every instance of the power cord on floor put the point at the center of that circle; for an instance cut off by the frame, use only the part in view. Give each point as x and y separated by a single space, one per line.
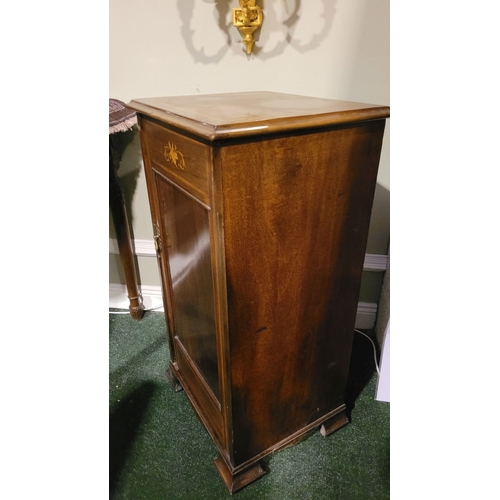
374 350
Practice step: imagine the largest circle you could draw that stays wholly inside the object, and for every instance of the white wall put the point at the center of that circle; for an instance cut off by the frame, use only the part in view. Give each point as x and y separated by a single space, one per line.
335 49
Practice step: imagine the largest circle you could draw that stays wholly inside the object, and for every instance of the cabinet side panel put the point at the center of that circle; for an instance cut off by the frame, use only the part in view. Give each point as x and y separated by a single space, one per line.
296 217
185 234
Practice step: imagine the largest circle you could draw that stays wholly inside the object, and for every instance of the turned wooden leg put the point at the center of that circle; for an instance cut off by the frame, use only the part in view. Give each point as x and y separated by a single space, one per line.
120 220
237 481
335 422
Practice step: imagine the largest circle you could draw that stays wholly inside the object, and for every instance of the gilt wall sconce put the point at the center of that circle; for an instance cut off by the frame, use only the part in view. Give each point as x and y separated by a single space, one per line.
247 18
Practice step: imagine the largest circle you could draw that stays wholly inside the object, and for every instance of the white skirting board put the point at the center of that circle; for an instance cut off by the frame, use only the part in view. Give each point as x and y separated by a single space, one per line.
151 297
366 316
152 300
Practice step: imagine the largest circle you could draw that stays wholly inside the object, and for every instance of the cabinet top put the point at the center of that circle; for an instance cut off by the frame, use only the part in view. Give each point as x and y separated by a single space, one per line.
224 116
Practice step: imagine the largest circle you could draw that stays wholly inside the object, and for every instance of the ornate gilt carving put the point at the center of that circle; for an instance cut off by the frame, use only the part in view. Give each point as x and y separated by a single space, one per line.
173 155
247 18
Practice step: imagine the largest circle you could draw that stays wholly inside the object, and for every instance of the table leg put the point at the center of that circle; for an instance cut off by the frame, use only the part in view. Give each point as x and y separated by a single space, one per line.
120 220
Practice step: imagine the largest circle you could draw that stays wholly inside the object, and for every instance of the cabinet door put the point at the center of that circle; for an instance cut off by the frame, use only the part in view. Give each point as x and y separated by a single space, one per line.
185 238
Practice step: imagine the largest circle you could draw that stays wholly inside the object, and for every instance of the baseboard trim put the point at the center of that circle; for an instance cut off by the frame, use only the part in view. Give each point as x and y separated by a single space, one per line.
152 299
366 315
146 248
375 262
141 248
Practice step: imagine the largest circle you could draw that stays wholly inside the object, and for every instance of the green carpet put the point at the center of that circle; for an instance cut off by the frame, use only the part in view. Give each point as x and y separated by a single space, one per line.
159 450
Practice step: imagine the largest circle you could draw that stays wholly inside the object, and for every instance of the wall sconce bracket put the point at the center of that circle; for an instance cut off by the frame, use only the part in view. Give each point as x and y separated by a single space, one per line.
247 18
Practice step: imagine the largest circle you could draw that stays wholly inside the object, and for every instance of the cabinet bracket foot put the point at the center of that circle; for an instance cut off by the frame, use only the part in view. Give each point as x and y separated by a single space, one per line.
236 481
335 422
173 379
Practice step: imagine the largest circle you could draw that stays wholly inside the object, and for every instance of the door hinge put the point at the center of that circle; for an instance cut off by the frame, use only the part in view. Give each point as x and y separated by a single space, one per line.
157 243
156 237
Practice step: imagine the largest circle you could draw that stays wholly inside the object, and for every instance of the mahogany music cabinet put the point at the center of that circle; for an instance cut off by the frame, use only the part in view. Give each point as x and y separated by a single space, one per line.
260 205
